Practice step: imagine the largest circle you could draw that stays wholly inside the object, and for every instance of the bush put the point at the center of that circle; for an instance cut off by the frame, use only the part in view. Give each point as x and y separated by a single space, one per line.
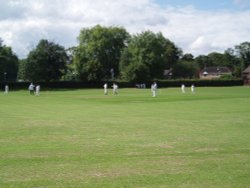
227 77
207 83
123 84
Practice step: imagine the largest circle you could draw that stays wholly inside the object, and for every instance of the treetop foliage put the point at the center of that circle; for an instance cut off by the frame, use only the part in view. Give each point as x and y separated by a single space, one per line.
149 53
108 53
8 63
46 62
99 52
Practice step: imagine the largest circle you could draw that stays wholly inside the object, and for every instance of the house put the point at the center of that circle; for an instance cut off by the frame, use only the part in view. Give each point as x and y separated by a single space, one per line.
246 76
214 72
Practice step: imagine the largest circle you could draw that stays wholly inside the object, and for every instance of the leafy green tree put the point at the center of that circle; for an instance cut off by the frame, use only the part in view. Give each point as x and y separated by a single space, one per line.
21 69
99 52
223 59
8 63
243 52
203 61
137 72
187 57
46 62
217 59
212 59
228 59
146 57
185 69
233 62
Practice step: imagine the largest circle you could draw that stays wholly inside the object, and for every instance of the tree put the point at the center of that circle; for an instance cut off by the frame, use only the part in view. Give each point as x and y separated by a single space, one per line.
46 62
137 72
203 61
185 69
8 63
233 62
21 69
187 57
146 57
99 52
243 52
218 59
227 59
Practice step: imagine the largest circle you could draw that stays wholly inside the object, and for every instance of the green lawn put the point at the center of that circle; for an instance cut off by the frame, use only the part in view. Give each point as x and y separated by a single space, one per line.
81 138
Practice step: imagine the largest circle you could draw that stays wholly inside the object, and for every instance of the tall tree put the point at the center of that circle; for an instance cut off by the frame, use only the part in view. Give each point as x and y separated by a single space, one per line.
233 62
243 52
228 59
21 70
146 57
99 51
217 59
185 69
8 63
203 61
46 62
187 57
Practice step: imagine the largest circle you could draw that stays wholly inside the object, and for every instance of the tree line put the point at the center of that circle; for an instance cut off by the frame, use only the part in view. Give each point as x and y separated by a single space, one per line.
108 53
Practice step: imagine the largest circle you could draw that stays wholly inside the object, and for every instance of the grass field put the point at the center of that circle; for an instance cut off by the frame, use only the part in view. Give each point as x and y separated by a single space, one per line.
82 138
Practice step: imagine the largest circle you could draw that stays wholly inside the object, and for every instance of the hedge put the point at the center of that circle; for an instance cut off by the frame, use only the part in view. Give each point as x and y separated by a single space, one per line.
123 84
203 83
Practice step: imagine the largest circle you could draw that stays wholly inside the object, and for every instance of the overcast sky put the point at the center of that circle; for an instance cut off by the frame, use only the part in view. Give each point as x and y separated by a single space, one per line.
195 26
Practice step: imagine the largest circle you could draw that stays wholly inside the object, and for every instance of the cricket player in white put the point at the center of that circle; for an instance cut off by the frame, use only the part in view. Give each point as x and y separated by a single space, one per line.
31 88
38 90
192 88
183 88
6 90
105 86
115 89
153 89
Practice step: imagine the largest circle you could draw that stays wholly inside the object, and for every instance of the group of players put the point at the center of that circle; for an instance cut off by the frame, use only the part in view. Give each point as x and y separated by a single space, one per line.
153 88
36 89
32 89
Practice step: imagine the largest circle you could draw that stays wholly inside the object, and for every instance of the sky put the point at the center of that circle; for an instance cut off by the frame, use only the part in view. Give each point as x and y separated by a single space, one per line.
196 26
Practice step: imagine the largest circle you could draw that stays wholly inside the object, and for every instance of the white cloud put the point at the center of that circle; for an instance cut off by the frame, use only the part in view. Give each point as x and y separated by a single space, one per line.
242 3
24 22
199 43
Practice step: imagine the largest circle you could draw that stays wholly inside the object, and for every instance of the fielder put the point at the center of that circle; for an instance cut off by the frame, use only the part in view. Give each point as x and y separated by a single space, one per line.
115 89
31 88
183 88
37 90
192 88
6 89
105 86
153 89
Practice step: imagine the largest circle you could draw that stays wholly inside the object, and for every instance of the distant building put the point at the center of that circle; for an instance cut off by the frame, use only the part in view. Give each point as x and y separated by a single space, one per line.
214 72
246 76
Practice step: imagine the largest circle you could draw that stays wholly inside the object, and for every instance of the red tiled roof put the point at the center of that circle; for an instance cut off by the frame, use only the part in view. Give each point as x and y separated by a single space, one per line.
247 70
